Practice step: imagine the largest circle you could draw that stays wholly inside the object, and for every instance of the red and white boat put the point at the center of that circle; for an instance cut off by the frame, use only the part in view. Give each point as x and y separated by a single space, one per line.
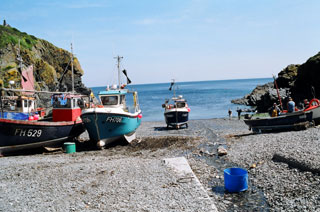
65 124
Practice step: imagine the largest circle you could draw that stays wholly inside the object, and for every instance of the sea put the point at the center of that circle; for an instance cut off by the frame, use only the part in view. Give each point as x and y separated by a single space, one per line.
206 99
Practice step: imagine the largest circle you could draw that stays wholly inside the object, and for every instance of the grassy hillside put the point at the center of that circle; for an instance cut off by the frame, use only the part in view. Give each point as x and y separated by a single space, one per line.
51 65
9 35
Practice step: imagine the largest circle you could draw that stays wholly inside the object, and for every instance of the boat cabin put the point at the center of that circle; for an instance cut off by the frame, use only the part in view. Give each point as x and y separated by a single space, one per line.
180 103
113 98
66 107
22 104
176 102
119 99
17 107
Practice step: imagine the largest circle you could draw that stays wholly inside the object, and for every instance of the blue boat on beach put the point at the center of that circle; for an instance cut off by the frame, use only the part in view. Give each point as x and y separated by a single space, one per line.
176 111
114 118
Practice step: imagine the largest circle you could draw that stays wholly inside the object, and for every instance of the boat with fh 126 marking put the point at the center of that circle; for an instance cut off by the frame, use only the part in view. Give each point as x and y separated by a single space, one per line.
114 118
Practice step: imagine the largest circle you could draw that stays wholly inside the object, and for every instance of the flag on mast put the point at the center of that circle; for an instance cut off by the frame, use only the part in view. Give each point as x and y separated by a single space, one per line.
125 73
171 85
27 79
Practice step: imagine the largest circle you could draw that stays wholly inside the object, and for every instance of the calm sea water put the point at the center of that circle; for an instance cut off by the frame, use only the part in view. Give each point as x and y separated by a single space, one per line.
207 99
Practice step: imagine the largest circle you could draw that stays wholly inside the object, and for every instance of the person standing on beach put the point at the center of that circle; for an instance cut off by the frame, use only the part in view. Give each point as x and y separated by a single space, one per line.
230 113
291 105
239 113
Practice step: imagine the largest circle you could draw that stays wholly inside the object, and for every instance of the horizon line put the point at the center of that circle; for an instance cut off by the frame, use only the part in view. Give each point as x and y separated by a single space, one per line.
190 81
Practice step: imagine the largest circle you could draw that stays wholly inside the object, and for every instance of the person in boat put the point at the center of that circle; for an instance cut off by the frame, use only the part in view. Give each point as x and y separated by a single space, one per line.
305 103
275 110
291 105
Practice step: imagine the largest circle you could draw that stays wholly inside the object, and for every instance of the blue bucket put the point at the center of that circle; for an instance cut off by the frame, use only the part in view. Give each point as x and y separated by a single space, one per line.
235 179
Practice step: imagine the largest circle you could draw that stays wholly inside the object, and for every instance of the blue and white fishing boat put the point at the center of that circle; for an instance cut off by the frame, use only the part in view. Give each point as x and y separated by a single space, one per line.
176 110
114 118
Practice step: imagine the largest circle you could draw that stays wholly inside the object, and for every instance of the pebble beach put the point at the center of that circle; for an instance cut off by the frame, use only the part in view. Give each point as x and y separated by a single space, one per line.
283 170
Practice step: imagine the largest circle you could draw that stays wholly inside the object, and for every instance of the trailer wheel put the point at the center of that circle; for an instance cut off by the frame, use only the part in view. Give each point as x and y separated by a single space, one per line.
312 123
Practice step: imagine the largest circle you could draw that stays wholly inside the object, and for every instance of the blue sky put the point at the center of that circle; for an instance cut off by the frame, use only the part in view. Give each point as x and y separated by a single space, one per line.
188 40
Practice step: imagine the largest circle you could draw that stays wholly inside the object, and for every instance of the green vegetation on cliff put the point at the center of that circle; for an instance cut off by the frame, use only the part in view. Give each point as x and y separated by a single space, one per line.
9 35
51 65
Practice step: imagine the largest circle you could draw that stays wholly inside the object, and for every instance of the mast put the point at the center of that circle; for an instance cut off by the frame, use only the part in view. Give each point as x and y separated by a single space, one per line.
275 82
19 58
72 76
174 91
1 105
118 65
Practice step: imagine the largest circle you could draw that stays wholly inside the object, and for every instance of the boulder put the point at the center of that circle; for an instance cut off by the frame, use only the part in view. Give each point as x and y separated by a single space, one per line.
222 151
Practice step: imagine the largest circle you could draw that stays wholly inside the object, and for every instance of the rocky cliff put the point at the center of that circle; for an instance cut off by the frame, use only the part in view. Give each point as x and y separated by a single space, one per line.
298 81
51 65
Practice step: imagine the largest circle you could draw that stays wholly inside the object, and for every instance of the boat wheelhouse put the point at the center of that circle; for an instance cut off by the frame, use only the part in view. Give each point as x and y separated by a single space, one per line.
17 107
66 107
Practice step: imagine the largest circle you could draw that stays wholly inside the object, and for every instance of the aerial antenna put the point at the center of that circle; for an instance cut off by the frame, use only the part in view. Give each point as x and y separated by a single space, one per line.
118 65
313 92
276 85
72 69
19 58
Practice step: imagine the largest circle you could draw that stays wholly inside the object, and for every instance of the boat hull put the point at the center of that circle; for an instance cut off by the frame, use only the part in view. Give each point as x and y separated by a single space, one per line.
176 118
17 134
295 120
109 127
315 113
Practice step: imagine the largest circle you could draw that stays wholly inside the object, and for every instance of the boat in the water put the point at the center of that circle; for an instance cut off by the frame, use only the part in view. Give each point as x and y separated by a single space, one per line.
114 118
176 110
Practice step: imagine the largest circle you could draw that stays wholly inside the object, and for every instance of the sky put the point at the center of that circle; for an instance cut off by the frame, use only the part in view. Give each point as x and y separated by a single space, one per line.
185 40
